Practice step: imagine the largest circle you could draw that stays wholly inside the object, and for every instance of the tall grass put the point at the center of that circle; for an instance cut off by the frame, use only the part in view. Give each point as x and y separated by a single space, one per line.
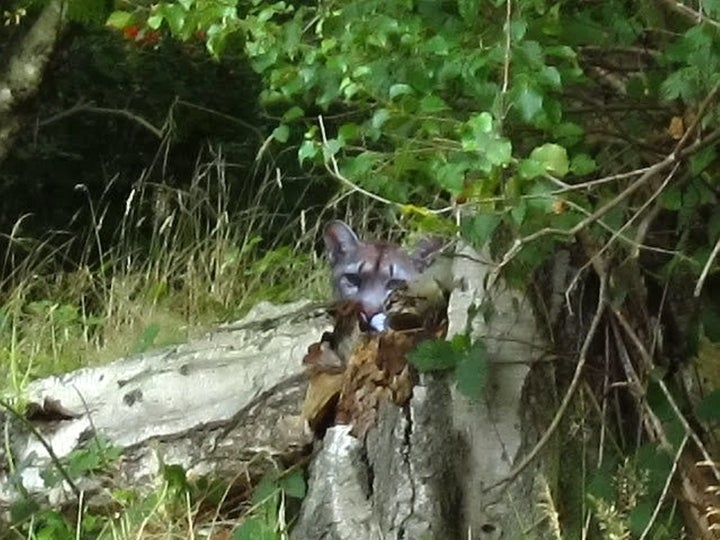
177 262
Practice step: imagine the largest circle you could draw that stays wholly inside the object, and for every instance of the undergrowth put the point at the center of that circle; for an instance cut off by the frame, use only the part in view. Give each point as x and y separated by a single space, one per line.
178 262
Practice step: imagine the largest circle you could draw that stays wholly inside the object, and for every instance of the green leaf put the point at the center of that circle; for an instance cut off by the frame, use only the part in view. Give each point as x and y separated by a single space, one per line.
481 123
379 118
399 90
119 19
254 528
518 211
469 10
432 104
308 150
434 355
702 160
553 158
582 164
147 339
176 479
531 168
671 198
711 323
332 147
709 408
639 517
528 102
349 132
294 484
293 113
175 15
450 176
23 509
281 133
471 372
498 151
479 228
155 20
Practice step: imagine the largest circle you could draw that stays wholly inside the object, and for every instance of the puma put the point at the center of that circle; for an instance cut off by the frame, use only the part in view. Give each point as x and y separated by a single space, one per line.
368 271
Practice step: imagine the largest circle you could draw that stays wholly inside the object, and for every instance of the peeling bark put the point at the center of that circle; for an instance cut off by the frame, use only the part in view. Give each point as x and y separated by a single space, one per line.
25 70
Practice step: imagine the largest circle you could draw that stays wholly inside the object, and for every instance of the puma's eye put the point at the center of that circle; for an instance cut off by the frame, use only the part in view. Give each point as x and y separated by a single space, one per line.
352 279
396 284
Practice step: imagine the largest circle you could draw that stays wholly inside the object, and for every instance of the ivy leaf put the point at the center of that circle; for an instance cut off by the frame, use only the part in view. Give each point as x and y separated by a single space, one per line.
518 212
379 118
349 132
553 158
155 20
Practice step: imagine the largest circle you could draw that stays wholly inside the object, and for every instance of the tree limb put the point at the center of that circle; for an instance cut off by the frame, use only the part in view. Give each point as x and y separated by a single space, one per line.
25 70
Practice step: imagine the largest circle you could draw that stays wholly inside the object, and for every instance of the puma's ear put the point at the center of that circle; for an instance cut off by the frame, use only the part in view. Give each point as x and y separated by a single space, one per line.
426 251
340 240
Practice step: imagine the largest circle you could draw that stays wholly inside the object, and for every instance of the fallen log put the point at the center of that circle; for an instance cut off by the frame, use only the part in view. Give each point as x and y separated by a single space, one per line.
211 406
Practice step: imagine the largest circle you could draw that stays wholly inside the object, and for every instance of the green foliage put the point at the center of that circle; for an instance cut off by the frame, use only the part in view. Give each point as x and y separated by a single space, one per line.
468 360
263 520
96 457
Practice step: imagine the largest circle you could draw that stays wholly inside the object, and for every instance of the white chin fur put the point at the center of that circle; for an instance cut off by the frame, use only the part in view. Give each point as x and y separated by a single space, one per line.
378 322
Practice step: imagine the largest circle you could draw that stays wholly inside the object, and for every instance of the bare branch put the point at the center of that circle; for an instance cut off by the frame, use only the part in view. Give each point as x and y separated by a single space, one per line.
81 107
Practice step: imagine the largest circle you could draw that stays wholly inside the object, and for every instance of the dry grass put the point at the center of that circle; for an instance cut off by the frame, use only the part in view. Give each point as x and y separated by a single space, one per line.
179 262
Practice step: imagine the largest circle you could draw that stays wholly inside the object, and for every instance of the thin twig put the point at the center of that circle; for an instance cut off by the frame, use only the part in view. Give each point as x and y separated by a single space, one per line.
599 181
506 64
706 269
597 214
53 456
82 107
665 490
616 234
568 394
335 171
647 360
